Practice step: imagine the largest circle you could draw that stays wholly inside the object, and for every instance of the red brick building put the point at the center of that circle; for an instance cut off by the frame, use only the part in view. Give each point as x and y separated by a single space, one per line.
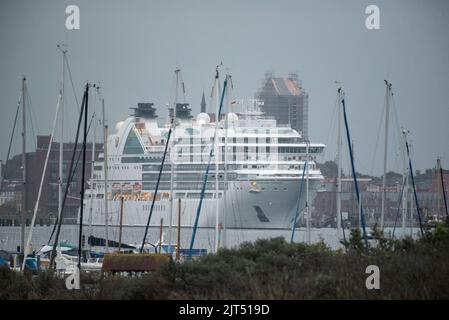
48 207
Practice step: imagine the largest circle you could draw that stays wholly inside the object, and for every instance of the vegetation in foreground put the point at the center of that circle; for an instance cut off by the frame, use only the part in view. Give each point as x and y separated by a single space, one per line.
271 269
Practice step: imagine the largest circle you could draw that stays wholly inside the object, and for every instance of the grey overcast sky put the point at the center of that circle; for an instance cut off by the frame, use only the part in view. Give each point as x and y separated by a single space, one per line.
132 48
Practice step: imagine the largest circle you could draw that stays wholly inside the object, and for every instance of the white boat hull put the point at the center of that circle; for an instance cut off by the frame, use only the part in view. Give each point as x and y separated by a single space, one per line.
269 204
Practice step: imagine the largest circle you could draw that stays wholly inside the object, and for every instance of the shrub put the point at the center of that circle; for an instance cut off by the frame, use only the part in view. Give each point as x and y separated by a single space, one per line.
270 269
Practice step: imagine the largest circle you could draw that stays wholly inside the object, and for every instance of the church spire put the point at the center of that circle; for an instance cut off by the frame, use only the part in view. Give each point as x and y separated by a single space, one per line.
203 104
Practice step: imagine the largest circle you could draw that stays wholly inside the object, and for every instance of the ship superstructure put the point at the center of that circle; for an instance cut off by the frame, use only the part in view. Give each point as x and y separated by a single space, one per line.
260 166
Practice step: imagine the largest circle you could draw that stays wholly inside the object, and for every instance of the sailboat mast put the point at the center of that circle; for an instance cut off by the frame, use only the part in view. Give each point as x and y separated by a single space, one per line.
61 132
24 167
36 205
360 207
412 209
157 185
160 235
307 193
203 189
92 165
83 171
67 186
225 162
404 202
384 179
414 188
351 156
105 170
217 159
405 184
442 187
339 151
172 156
120 225
438 185
178 246
409 189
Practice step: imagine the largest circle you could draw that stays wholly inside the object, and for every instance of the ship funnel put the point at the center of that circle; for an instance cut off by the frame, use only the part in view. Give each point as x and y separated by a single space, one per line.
183 111
145 110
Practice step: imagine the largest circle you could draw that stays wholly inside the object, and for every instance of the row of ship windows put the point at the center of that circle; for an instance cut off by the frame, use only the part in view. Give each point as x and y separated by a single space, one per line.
228 156
96 196
286 167
263 188
254 149
157 207
251 142
245 158
202 167
147 207
258 137
244 166
185 167
245 139
123 167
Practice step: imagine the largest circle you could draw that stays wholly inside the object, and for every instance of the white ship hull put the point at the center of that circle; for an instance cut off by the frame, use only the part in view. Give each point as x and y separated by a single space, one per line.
271 204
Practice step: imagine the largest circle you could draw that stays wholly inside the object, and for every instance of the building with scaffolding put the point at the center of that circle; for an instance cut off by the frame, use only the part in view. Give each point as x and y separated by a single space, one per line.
285 99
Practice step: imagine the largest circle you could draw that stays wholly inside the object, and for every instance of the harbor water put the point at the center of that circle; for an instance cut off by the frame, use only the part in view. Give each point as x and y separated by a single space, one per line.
10 235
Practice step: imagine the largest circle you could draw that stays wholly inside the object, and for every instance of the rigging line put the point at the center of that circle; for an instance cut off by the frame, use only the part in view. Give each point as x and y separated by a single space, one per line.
83 175
31 119
360 164
211 153
231 196
209 231
299 200
343 227
36 206
183 211
12 135
362 216
239 225
60 214
373 159
33 115
71 178
115 231
414 188
72 175
443 189
157 185
399 206
398 132
331 127
71 81
239 213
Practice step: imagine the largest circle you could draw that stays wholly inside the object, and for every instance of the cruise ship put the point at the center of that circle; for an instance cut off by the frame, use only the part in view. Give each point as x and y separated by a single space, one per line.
253 181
